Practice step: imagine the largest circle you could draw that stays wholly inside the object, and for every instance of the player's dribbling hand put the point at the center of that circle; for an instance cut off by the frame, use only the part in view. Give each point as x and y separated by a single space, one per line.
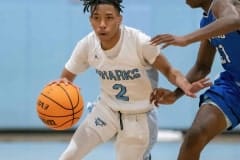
65 81
162 96
61 80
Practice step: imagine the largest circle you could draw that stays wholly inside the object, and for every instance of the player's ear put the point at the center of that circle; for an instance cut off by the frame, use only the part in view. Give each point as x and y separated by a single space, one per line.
90 19
120 19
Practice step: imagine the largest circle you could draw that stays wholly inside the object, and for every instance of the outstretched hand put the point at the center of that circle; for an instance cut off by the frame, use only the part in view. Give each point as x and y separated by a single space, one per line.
197 86
168 39
200 84
165 96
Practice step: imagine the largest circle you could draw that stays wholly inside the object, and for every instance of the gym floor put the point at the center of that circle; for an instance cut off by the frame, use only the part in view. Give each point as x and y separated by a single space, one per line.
49 145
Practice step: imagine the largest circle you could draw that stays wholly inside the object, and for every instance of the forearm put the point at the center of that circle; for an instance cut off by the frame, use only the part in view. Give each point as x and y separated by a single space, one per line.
219 27
177 79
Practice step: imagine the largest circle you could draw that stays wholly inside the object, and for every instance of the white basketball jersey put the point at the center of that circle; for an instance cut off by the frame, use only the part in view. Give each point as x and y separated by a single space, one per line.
124 79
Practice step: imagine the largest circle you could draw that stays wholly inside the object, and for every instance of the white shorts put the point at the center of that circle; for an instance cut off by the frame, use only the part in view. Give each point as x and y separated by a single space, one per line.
135 134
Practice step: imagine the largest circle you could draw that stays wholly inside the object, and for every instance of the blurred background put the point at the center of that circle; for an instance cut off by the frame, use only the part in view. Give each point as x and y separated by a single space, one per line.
38 36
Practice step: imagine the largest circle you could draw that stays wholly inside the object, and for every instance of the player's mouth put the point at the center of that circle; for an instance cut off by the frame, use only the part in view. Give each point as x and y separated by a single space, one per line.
102 34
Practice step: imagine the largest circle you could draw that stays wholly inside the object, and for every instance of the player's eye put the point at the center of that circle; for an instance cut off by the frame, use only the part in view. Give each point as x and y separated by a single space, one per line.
95 17
109 17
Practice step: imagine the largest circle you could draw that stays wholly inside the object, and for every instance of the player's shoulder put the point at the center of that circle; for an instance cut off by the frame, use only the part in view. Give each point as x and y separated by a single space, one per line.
89 39
226 8
87 43
91 36
225 3
132 30
134 33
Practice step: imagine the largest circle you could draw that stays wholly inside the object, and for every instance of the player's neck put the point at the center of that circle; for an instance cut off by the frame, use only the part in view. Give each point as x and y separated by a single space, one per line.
206 6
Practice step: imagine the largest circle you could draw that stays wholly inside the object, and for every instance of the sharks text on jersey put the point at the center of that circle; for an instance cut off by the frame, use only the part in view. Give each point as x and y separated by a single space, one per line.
118 75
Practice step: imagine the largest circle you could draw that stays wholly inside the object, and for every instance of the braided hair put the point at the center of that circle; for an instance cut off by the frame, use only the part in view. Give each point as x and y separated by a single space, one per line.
90 5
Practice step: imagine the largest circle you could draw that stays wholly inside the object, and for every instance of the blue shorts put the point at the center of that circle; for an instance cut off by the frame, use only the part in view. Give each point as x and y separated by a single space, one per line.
226 94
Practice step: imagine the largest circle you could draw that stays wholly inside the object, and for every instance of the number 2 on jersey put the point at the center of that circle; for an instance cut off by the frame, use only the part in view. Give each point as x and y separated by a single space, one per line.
122 91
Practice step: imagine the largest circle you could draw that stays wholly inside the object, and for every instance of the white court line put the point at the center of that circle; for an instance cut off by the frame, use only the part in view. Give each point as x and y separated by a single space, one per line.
169 135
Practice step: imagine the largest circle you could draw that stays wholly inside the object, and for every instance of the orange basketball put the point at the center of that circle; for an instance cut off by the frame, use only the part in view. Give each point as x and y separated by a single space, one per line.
60 105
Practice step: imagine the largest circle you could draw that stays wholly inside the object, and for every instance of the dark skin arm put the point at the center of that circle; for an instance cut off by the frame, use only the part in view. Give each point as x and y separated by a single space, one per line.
203 64
67 75
228 19
227 13
201 69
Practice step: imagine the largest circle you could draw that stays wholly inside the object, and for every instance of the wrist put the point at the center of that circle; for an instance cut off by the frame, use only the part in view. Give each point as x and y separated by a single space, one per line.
178 92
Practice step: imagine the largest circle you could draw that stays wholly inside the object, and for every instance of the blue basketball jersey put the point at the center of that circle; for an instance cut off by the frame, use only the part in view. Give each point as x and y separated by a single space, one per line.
228 46
226 89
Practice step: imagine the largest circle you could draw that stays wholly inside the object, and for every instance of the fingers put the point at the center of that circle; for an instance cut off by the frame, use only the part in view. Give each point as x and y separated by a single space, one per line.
197 86
202 83
190 94
64 81
157 38
162 96
206 82
51 83
164 46
154 97
156 103
165 39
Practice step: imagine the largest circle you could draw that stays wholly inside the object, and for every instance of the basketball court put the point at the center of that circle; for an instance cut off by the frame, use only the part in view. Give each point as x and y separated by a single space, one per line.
48 146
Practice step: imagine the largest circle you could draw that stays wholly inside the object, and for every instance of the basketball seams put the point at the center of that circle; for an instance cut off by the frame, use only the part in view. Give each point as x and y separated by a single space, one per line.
70 100
66 122
58 97
66 115
69 97
55 101
78 98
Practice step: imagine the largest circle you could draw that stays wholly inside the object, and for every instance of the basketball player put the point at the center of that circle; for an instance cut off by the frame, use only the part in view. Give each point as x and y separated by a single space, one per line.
220 105
124 61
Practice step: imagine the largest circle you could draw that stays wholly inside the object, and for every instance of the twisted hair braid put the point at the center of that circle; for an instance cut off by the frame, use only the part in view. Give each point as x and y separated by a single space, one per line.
90 5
